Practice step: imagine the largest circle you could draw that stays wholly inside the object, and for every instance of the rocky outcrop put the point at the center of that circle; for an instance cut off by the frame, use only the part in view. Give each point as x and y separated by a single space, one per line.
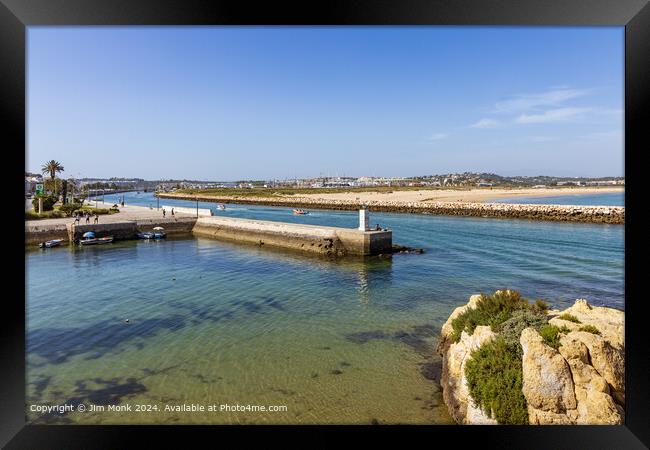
563 213
454 382
548 385
452 378
582 382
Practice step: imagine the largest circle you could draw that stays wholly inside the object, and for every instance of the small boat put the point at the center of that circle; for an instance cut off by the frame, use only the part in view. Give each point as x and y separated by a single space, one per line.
146 235
96 241
299 212
51 243
159 233
222 207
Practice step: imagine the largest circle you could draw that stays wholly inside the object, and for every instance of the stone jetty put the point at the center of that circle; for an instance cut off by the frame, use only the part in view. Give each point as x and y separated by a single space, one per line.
561 213
306 238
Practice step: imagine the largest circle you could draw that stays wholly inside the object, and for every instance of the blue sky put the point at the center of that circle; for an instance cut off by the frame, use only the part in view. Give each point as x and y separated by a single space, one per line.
221 103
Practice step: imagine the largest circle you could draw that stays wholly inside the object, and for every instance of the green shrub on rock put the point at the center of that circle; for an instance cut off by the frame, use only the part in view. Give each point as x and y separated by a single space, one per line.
511 329
494 378
590 329
490 310
540 307
551 334
569 318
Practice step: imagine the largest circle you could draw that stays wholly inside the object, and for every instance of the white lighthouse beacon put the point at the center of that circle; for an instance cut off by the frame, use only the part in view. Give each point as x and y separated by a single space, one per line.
364 218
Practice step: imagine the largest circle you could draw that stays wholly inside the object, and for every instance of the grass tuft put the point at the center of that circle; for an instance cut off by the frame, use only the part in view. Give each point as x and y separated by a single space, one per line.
551 334
590 329
569 318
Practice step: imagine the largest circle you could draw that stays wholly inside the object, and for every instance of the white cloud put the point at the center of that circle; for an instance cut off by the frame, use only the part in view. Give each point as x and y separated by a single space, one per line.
437 136
485 123
527 102
553 115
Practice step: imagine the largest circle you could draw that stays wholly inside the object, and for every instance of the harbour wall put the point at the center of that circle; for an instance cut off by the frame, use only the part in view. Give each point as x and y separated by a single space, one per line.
40 233
307 238
560 213
126 229
129 228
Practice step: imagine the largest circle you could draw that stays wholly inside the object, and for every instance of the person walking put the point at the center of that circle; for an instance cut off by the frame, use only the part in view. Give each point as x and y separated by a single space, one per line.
172 212
163 212
96 218
87 217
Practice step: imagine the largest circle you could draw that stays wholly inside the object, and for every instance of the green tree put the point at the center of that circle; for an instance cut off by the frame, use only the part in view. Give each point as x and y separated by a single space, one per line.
51 168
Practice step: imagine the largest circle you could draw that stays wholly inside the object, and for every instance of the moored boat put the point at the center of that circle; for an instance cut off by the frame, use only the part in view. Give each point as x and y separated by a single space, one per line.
299 212
96 241
146 235
90 239
159 233
51 243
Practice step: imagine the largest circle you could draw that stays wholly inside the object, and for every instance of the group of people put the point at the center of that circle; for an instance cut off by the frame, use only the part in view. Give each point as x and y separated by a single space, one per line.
165 212
86 214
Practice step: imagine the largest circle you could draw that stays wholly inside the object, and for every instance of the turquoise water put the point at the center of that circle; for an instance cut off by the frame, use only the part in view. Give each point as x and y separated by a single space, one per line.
604 199
347 341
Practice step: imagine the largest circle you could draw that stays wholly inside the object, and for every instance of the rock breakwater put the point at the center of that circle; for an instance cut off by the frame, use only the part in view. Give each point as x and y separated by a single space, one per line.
562 213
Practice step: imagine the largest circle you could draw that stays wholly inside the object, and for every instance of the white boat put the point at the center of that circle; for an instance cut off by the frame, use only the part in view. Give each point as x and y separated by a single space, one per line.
96 241
159 233
51 243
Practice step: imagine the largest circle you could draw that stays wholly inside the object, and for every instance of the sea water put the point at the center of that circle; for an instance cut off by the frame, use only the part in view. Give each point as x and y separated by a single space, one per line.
332 341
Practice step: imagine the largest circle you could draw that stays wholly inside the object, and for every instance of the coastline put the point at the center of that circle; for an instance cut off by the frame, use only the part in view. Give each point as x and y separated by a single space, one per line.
381 202
480 195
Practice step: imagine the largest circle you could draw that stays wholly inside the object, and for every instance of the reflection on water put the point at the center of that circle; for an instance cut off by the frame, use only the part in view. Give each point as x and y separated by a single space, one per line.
335 340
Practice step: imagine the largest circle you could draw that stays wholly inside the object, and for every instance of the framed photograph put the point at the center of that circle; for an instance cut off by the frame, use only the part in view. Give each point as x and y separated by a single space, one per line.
362 214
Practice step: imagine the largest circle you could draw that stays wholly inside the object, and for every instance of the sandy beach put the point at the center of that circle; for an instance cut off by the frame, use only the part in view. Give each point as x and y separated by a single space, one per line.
456 195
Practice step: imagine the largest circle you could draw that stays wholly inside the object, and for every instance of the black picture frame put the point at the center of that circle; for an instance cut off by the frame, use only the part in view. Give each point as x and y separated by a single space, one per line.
634 15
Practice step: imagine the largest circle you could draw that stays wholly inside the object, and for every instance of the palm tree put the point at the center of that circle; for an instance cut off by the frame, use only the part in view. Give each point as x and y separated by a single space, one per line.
51 168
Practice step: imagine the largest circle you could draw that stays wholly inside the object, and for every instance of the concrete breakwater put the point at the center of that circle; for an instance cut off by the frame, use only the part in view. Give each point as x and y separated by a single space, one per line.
562 213
308 238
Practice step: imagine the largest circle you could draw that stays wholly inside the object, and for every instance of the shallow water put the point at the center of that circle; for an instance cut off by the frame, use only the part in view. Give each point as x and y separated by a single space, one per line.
347 341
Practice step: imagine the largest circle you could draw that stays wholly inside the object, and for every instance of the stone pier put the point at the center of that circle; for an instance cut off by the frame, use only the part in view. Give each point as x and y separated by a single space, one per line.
308 238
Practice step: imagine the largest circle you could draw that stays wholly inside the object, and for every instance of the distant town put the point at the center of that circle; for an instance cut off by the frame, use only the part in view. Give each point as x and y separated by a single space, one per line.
451 180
